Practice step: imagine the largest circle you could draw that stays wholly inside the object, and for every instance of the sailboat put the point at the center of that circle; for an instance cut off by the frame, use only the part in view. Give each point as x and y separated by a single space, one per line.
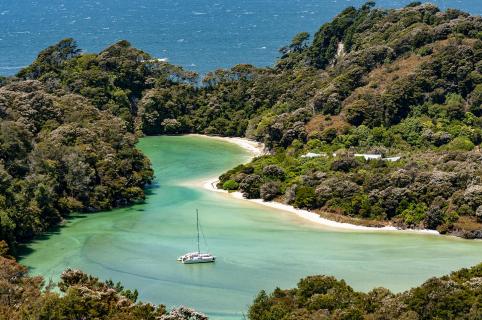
196 257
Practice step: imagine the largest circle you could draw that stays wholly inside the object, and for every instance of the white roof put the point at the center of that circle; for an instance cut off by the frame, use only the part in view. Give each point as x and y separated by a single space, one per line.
313 155
368 156
392 159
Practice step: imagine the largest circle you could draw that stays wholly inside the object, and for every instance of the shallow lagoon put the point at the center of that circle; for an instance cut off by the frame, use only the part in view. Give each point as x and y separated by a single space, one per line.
257 247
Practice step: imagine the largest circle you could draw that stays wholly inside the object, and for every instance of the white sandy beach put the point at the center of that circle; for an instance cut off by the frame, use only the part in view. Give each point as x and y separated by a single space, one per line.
257 149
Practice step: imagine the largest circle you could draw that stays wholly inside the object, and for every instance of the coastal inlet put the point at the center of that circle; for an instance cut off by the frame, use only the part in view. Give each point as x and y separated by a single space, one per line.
257 247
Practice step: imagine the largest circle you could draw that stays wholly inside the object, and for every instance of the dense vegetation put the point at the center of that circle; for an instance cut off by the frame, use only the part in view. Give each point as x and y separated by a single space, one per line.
405 83
456 296
82 297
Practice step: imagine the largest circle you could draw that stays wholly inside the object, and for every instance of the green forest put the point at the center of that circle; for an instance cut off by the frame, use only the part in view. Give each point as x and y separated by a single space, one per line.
398 83
401 84
454 296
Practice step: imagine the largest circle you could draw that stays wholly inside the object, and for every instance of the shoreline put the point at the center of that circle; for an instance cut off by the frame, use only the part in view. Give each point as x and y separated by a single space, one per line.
257 149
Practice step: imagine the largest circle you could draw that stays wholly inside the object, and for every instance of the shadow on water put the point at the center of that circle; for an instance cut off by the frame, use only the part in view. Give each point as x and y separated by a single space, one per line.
25 248
149 189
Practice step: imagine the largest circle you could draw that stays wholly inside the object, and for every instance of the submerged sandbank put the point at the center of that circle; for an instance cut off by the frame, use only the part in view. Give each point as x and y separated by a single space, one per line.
257 149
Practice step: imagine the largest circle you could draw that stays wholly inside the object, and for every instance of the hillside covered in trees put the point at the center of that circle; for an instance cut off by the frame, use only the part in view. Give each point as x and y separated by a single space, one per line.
393 83
58 154
455 296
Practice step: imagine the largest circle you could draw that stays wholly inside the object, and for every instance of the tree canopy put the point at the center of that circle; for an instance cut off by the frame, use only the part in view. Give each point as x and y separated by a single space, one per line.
455 296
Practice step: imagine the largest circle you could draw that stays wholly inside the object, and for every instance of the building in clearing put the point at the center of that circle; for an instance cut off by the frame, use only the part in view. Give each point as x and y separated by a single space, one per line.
368 156
392 159
313 155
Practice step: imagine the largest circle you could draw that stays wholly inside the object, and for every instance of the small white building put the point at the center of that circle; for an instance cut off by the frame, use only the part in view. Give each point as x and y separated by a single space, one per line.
313 155
368 156
392 159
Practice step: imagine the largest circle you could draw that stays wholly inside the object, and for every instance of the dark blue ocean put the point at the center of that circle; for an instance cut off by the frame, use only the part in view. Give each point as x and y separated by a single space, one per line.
198 34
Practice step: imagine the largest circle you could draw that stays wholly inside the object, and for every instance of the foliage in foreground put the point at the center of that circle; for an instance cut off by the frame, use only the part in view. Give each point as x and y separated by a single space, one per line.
455 296
82 297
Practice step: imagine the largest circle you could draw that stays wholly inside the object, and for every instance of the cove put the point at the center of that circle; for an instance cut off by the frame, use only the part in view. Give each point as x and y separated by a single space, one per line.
257 247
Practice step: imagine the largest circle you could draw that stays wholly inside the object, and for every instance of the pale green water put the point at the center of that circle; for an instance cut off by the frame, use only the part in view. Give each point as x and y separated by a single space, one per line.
257 247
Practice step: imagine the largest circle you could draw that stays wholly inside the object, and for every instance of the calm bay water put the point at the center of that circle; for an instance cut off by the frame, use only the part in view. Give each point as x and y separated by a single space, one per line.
199 34
257 247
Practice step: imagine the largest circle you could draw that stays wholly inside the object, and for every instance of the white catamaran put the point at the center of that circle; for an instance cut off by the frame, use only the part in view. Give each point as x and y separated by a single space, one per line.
196 257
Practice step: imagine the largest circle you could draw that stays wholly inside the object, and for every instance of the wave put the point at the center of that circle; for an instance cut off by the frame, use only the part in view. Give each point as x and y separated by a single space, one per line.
12 67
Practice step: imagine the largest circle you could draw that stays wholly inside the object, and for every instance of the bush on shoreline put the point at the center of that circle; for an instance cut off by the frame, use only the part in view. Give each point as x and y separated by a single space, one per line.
82 297
455 296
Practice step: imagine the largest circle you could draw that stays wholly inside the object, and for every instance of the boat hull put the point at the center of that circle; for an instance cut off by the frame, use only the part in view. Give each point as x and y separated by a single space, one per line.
193 258
198 261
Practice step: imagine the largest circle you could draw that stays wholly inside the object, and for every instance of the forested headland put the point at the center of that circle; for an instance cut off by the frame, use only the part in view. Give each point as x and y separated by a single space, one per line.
401 84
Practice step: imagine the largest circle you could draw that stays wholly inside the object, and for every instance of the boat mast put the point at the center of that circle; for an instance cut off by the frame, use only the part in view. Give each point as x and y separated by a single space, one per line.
197 225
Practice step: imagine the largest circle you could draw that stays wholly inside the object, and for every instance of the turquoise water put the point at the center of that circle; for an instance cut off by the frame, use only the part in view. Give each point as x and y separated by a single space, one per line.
199 34
257 247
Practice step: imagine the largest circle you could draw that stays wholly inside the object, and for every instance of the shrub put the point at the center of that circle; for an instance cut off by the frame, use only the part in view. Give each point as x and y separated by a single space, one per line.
269 190
230 185
290 194
250 186
460 144
345 164
305 197
273 171
435 215
170 126
478 214
414 214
